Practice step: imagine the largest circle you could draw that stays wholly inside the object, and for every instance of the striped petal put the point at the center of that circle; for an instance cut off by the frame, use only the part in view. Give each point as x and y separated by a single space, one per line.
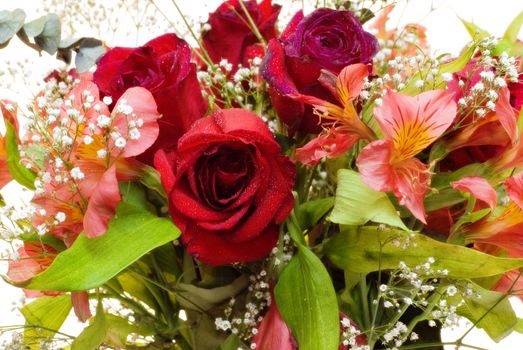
414 122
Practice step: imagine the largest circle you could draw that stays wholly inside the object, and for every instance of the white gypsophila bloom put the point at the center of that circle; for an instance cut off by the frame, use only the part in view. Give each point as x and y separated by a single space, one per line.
120 142
134 134
103 121
101 153
107 100
88 140
60 216
77 174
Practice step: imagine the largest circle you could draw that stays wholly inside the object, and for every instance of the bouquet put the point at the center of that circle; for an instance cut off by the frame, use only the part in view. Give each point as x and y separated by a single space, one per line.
318 185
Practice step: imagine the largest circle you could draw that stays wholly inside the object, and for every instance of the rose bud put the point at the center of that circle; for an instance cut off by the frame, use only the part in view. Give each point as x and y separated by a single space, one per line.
325 39
230 36
163 67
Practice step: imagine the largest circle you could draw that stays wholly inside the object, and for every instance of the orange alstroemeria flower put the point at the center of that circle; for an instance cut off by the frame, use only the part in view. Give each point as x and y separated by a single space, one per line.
410 124
346 127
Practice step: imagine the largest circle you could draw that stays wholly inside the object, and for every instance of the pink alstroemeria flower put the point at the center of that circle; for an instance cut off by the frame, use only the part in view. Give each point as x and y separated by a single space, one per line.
479 188
346 127
409 124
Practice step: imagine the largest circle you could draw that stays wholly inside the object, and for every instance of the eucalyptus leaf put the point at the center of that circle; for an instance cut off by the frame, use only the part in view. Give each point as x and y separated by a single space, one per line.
88 56
307 302
46 32
10 24
357 204
21 174
46 312
368 249
90 262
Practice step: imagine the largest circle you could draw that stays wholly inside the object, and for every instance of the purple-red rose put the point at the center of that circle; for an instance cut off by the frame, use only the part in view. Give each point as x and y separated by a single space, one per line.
163 66
325 39
230 36
229 187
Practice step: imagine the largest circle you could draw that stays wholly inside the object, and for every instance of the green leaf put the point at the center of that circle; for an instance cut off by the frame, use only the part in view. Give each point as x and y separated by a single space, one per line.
307 302
90 262
497 320
309 213
46 32
233 342
476 33
357 204
512 31
203 299
519 326
21 174
368 249
47 312
10 23
151 179
87 56
117 330
93 335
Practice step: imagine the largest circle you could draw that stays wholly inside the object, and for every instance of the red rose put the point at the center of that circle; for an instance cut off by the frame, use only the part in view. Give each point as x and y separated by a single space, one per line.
163 67
229 187
231 38
325 39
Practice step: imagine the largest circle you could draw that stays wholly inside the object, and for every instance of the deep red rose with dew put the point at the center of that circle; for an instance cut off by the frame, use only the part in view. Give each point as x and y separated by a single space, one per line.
229 187
163 66
325 39
230 36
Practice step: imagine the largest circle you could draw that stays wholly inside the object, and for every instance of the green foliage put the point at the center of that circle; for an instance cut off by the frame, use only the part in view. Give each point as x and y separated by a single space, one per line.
93 335
475 32
10 24
490 311
44 316
44 34
368 249
21 174
233 342
311 212
357 204
45 31
306 299
89 263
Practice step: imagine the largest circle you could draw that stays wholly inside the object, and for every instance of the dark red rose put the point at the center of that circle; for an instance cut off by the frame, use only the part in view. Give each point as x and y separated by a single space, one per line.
516 93
163 67
325 39
230 36
229 187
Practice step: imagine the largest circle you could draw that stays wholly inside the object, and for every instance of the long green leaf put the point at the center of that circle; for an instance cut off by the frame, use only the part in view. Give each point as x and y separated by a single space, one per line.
476 33
90 262
48 313
94 334
498 318
307 302
357 204
512 31
368 249
20 173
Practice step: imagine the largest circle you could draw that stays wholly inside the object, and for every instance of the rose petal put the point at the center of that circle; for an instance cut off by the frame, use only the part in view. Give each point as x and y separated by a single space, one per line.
214 249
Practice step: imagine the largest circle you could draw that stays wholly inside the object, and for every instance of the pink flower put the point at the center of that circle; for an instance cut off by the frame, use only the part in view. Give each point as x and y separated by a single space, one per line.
345 125
409 124
479 188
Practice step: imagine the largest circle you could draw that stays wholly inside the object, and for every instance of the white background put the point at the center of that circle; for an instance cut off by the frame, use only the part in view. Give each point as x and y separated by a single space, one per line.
445 34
